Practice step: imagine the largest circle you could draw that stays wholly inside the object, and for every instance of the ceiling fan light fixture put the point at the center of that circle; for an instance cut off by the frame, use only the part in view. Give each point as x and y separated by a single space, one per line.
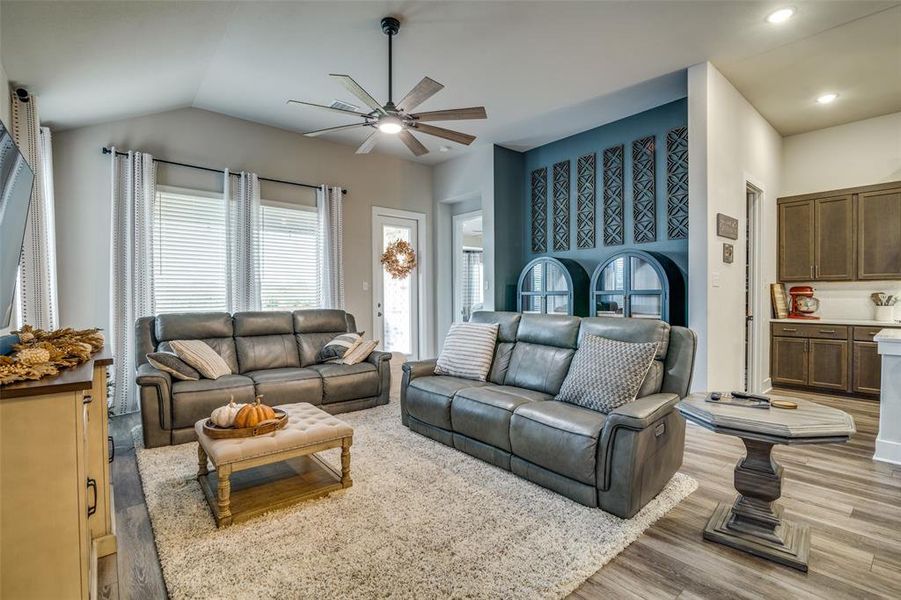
390 124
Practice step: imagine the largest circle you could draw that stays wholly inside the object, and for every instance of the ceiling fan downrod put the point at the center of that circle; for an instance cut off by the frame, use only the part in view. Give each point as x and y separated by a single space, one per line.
390 27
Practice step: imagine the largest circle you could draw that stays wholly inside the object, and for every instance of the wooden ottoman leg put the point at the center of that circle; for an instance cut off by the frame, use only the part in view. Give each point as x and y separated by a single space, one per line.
225 515
346 481
201 461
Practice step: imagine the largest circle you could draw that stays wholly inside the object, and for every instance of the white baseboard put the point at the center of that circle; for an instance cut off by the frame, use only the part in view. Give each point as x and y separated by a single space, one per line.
888 451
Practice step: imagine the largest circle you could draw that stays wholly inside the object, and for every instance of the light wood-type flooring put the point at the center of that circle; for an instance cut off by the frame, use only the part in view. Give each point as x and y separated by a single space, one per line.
852 504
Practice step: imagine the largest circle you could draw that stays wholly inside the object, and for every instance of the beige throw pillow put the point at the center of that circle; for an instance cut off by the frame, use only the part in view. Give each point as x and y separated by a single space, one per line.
468 351
200 356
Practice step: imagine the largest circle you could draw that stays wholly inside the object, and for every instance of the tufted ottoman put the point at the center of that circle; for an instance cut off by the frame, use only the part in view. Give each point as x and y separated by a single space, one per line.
258 474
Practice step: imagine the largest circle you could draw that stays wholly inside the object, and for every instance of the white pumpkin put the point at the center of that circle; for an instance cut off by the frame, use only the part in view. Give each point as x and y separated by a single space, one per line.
224 416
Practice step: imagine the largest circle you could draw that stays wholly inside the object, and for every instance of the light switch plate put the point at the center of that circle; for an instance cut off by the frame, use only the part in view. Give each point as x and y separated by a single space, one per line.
715 279
365 286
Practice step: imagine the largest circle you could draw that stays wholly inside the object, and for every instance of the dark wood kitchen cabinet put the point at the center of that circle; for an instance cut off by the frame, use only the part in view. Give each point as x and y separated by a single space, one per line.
842 235
826 357
879 229
789 358
828 364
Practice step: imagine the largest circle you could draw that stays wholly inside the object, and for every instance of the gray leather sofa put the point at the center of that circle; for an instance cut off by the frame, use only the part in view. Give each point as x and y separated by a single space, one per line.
270 353
618 461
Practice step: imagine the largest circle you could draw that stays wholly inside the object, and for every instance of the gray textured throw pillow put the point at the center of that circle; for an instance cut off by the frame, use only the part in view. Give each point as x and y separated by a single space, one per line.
468 351
202 357
339 347
606 374
168 362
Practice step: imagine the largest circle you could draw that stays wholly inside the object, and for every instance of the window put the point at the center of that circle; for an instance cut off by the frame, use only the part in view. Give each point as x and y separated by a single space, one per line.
189 251
289 256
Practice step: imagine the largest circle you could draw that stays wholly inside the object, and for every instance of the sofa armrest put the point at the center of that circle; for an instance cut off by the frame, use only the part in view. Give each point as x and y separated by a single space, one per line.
377 357
642 412
148 375
419 368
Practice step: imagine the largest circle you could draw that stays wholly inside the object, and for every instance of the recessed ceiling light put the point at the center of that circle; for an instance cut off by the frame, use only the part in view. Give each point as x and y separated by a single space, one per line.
444 148
780 16
827 98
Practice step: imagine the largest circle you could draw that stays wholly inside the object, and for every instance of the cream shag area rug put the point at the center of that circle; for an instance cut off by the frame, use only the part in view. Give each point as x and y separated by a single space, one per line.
421 521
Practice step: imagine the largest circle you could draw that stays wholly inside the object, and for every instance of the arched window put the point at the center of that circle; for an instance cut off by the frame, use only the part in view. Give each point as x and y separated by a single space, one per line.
553 286
637 284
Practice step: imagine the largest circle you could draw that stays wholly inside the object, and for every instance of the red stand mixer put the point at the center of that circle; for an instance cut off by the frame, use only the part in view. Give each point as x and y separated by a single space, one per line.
803 303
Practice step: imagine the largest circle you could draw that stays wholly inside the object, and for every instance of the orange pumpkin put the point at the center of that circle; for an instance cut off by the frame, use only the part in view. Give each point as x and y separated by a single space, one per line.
253 414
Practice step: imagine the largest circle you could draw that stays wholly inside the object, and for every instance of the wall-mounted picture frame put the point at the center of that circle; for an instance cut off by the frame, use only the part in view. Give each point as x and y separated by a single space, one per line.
780 303
726 226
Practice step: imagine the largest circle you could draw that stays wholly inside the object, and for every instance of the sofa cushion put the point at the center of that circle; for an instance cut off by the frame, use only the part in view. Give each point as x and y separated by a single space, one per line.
508 325
287 385
468 351
483 413
560 437
347 382
429 398
606 374
258 352
193 326
264 322
202 357
538 367
320 321
195 400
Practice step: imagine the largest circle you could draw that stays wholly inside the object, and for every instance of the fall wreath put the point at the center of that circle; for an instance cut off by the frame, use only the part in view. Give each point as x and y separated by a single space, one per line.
399 259
42 353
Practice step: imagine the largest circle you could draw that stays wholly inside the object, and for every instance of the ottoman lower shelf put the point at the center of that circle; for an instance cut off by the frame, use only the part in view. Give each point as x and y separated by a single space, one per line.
272 486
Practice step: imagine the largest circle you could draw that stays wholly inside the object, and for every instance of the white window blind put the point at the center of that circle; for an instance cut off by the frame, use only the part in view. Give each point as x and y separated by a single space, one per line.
290 248
189 252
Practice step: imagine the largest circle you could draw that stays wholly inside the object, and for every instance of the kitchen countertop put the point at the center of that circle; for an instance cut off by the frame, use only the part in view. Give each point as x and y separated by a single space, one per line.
826 321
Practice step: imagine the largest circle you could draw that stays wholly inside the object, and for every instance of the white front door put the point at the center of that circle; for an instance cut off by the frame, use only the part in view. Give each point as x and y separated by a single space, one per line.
396 302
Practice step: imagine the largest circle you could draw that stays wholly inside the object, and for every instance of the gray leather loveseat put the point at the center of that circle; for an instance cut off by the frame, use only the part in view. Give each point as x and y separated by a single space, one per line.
617 461
270 353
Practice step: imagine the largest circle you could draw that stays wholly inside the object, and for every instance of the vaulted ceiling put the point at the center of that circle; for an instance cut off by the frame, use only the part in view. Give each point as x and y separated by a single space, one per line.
543 70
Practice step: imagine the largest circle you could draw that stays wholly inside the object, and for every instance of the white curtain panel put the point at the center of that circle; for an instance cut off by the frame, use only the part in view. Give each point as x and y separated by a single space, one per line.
133 198
37 301
330 204
242 196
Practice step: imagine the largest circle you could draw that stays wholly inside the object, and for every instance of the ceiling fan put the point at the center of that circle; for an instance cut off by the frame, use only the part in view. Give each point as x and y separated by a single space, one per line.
398 119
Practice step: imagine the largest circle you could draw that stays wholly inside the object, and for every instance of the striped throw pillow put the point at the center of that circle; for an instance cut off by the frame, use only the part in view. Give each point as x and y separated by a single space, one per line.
339 347
200 356
468 351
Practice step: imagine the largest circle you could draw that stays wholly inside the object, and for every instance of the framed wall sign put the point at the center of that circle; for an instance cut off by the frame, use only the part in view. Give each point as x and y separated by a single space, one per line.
726 226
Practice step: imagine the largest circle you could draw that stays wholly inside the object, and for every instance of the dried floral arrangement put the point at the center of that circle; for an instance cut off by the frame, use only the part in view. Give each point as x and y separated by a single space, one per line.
42 353
399 259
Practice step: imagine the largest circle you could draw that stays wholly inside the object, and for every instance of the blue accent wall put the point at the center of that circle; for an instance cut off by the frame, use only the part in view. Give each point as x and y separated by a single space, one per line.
657 121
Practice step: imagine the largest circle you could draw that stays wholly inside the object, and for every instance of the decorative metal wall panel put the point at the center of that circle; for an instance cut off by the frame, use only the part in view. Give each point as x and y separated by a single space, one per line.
644 196
586 184
539 210
614 227
561 206
677 184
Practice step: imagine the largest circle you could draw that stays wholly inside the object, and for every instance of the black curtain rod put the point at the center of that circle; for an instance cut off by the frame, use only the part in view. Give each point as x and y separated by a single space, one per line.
211 170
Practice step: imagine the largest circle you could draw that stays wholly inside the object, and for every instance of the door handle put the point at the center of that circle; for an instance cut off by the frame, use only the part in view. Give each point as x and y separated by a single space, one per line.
92 507
789 329
827 331
378 314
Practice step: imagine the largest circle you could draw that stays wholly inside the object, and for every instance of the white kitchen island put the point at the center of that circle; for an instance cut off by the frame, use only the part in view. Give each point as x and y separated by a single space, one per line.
888 442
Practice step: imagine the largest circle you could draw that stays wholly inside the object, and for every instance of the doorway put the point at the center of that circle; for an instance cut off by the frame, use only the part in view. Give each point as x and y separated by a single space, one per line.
752 381
469 275
398 311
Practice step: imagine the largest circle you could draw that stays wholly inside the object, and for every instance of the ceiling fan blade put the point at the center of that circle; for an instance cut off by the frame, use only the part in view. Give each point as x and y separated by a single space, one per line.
338 128
354 88
453 114
369 143
454 136
412 143
329 108
423 90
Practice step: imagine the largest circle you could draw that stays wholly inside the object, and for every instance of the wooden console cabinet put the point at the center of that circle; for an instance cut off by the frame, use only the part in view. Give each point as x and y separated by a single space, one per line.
825 357
56 512
841 235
